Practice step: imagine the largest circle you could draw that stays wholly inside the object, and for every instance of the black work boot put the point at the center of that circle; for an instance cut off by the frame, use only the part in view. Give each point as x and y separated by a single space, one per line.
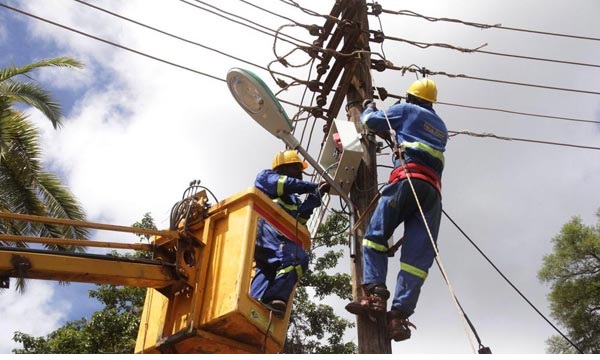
398 326
278 307
373 303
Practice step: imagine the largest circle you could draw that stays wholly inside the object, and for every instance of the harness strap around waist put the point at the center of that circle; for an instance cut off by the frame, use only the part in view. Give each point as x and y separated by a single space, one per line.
416 171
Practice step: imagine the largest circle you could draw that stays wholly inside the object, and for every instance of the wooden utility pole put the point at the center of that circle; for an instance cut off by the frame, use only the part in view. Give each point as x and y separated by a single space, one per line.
372 336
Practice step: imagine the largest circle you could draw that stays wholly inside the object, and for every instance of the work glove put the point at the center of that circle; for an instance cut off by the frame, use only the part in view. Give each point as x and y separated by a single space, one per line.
324 187
368 103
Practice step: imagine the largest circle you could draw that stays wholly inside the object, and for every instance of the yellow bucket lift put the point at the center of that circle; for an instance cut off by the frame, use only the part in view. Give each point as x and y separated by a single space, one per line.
213 312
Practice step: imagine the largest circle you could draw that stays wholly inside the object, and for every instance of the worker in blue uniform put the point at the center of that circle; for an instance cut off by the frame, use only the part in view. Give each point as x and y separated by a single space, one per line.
421 136
280 261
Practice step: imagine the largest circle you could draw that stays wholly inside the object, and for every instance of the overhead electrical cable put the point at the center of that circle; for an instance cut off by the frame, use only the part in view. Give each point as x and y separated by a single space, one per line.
308 27
238 22
487 26
519 113
536 58
258 66
490 135
110 42
424 71
508 281
168 34
425 45
310 12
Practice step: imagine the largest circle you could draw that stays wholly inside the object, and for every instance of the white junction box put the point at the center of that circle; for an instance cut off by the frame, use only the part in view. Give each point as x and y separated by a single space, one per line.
342 154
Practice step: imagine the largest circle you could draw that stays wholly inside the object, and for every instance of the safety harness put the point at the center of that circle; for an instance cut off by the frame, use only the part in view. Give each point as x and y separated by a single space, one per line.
416 171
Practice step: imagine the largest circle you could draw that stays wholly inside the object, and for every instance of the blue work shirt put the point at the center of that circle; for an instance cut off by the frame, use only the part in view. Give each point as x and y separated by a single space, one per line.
284 189
418 128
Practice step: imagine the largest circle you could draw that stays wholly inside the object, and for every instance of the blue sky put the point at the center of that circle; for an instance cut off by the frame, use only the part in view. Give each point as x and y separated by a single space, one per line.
137 131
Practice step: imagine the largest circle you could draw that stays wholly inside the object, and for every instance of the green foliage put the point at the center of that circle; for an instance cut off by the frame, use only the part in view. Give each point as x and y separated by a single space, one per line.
573 270
314 327
147 222
112 330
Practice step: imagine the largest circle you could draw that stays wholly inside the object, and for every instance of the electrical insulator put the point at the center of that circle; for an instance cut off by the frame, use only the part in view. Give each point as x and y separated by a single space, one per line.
321 100
316 112
378 65
314 30
378 36
376 9
322 69
314 86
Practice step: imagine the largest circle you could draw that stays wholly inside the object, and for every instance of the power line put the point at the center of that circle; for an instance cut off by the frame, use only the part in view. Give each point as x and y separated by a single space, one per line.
518 112
424 71
142 53
169 34
137 51
308 27
486 26
111 43
508 281
465 132
238 22
461 49
196 43
424 45
536 58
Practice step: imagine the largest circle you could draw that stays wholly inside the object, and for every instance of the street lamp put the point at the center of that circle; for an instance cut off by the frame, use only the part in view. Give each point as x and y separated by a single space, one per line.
258 101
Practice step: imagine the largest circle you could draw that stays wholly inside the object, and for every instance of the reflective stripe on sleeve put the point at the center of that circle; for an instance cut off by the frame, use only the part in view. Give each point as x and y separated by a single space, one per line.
413 270
290 268
424 147
291 207
280 184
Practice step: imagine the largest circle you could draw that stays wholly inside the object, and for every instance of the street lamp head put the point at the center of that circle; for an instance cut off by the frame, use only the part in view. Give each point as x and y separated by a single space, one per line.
258 101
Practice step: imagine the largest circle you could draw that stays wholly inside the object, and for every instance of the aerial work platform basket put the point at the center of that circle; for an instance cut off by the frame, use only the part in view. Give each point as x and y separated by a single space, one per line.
214 312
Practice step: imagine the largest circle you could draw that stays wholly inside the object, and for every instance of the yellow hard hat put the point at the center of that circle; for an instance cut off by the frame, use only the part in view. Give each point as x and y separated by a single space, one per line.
288 157
424 89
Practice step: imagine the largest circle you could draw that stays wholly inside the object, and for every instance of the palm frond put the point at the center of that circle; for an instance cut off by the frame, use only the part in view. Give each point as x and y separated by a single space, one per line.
19 137
60 203
29 92
12 71
32 94
24 186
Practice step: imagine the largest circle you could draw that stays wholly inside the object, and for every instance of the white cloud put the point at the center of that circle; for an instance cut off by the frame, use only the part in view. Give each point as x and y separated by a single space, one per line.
37 312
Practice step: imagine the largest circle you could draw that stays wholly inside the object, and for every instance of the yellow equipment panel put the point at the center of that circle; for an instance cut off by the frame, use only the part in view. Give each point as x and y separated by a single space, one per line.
214 312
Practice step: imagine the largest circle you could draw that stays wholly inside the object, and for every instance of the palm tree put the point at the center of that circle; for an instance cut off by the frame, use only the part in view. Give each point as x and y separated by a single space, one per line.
25 187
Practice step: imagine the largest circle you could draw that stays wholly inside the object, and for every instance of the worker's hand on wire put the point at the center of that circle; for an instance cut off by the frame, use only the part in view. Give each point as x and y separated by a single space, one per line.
324 187
369 103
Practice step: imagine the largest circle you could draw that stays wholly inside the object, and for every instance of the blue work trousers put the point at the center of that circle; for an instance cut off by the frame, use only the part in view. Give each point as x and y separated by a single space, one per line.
279 263
396 205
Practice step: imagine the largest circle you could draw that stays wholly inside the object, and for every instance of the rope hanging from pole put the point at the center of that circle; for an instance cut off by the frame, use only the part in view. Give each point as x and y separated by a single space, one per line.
398 151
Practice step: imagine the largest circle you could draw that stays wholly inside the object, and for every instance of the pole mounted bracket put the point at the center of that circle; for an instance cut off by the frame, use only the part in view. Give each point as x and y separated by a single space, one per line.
21 265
